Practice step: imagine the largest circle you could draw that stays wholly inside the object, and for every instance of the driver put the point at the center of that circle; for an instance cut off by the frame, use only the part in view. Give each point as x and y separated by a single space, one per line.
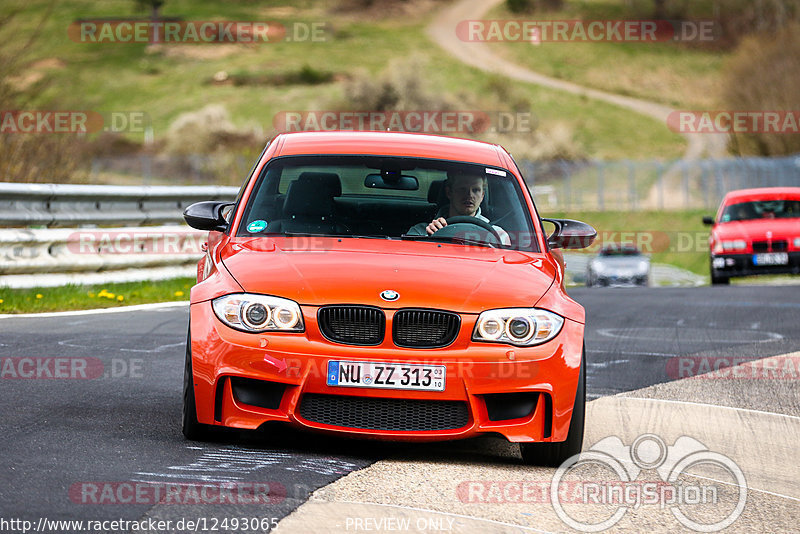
465 193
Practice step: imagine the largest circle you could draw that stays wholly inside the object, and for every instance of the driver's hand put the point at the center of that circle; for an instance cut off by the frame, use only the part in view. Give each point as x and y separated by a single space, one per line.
436 224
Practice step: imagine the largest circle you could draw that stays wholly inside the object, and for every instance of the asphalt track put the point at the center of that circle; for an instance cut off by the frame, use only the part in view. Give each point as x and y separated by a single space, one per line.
62 437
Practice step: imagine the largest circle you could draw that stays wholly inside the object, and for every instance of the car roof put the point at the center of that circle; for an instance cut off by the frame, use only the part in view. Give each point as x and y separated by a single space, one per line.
389 144
619 247
762 193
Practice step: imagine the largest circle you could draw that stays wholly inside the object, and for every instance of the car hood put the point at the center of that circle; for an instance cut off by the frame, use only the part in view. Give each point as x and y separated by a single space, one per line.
629 263
757 229
356 271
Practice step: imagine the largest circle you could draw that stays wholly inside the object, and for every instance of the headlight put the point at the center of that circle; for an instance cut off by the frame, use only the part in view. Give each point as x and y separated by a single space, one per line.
797 242
734 245
259 313
518 326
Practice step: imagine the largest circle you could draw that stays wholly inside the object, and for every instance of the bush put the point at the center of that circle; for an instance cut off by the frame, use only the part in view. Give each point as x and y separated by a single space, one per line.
206 131
29 157
398 88
47 158
526 6
764 74
306 75
519 6
549 142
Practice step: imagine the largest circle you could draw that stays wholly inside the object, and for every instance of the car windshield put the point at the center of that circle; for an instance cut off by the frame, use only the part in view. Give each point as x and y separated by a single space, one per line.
389 198
620 251
761 209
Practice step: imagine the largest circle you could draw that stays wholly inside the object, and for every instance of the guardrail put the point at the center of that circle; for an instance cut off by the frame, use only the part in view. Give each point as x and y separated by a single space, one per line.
54 205
628 185
36 248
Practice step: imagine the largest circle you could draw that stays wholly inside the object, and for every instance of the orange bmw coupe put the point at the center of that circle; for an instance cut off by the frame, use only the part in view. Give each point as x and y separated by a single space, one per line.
386 285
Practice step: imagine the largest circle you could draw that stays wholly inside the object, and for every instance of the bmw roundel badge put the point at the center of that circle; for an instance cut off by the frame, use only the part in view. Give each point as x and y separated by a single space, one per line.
390 295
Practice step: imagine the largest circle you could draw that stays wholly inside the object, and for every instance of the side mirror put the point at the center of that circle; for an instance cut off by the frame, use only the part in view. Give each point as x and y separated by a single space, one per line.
570 234
207 215
708 221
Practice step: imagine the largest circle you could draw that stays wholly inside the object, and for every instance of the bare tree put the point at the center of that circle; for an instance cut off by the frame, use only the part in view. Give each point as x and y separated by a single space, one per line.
661 9
153 5
27 157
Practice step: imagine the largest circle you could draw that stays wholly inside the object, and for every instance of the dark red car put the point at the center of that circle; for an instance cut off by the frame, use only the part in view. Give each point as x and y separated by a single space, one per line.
756 231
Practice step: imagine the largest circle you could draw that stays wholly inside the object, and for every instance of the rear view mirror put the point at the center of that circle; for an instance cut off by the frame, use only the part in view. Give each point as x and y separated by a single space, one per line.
390 181
570 234
708 221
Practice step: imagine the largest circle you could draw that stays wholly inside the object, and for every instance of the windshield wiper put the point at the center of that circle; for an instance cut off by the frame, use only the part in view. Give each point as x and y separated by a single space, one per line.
308 234
450 239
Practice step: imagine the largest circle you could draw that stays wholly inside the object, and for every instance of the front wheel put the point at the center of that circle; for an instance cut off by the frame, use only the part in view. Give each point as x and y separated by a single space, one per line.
719 280
192 429
554 454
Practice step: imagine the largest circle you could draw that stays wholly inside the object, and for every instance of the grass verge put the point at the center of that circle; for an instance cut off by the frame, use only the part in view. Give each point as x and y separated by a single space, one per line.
669 73
78 297
140 78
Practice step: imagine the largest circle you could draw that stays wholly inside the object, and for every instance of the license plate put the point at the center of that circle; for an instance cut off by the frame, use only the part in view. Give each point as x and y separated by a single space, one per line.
386 375
771 258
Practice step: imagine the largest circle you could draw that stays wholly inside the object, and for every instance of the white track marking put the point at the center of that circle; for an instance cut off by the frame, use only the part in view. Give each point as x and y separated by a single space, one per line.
747 487
631 353
606 364
138 307
645 333
623 396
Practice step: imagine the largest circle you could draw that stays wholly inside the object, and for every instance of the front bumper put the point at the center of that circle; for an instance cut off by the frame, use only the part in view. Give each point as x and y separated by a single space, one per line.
637 280
730 265
486 383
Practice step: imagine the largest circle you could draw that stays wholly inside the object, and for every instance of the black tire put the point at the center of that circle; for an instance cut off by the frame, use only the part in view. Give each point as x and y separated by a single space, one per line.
719 280
192 429
554 454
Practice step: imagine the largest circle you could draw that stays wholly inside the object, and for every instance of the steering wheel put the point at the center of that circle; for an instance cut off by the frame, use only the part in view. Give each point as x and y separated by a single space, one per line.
466 219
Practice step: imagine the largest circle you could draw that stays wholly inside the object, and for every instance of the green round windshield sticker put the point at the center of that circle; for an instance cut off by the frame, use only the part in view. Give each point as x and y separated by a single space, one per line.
256 226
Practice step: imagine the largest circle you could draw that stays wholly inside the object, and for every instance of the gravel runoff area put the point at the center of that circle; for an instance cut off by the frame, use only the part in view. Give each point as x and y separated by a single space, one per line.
748 414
